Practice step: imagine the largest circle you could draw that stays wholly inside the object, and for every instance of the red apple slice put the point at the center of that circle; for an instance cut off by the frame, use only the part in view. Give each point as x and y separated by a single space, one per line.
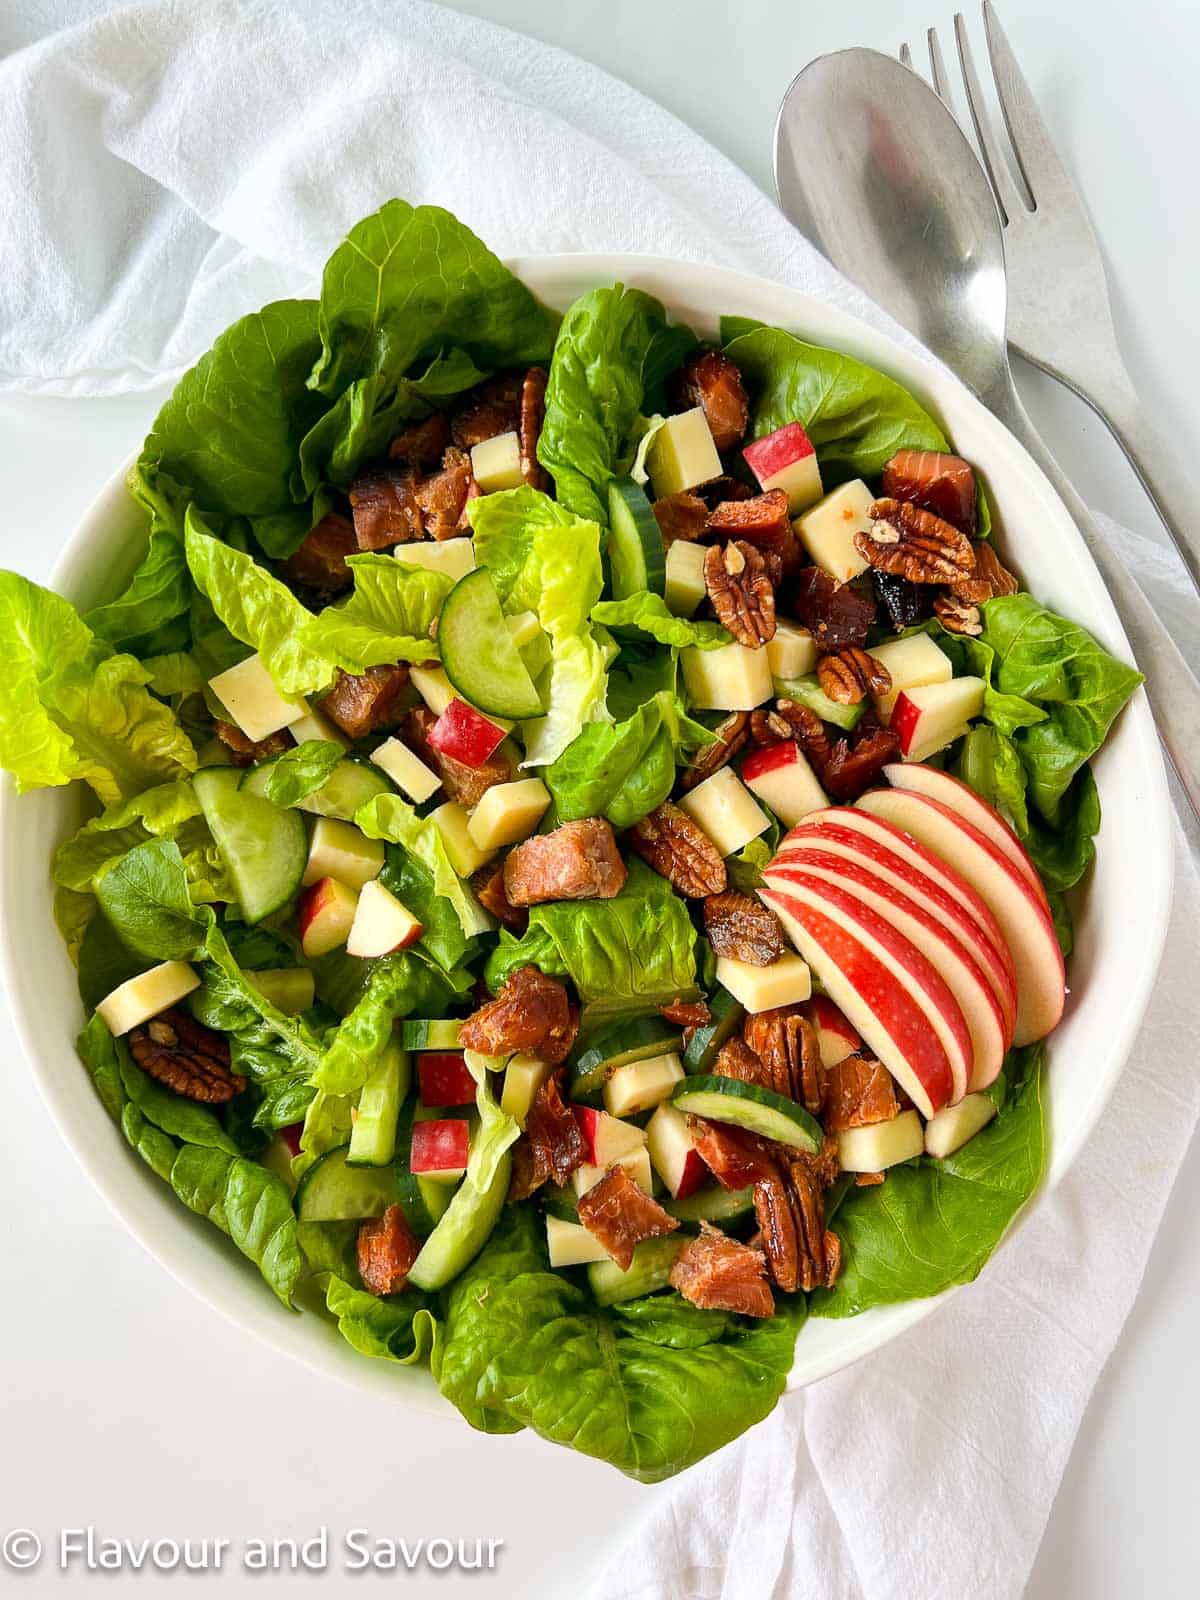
835 1037
445 1079
786 460
440 1149
962 798
883 984
927 718
673 1152
1026 925
606 1138
325 914
381 923
945 951
780 775
465 734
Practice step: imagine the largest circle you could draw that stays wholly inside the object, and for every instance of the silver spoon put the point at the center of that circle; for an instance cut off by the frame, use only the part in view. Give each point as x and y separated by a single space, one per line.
875 170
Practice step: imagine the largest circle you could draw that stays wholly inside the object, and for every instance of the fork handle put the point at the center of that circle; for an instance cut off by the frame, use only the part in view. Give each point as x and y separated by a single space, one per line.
1171 687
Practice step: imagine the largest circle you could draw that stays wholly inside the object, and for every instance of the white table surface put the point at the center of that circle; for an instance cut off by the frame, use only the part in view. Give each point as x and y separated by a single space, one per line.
130 1406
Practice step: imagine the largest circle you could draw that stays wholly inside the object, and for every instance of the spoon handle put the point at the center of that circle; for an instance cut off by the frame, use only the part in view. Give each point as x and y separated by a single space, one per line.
1171 687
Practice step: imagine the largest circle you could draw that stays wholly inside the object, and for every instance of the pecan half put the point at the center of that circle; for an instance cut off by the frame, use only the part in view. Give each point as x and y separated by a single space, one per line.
958 615
849 675
731 735
836 614
914 544
990 578
807 729
786 1042
742 928
768 727
801 1252
533 412
741 592
181 1053
680 850
735 1059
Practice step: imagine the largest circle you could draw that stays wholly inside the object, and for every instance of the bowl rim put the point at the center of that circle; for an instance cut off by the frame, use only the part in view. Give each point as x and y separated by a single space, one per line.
558 278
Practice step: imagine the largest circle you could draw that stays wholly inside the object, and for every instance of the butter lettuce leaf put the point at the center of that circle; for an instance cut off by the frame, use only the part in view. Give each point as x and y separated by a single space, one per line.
646 613
394 820
297 773
397 986
622 771
160 812
401 1328
388 617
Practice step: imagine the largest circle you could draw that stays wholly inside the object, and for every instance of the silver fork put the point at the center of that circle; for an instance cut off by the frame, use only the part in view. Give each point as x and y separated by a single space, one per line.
1060 315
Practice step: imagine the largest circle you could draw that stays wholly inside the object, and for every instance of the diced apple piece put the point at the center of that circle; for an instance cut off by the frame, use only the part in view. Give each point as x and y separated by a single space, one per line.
641 1084
785 982
836 1039
440 1149
453 557
792 652
607 1138
434 687
682 454
726 810
289 989
684 586
496 463
508 813
786 460
636 1164
444 1078
928 718
880 1145
465 734
780 775
730 678
340 850
827 530
453 824
953 1126
316 725
249 695
381 923
143 997
406 770
673 1152
523 1077
325 913
912 663
570 1244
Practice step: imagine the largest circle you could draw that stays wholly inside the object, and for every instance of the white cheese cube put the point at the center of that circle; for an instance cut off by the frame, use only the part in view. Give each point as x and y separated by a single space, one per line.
880 1145
143 997
507 813
730 678
950 1128
571 1245
316 725
523 1077
784 983
340 850
636 1163
434 687
252 700
496 463
641 1084
682 454
827 530
792 652
726 810
911 663
454 557
684 587
452 823
407 771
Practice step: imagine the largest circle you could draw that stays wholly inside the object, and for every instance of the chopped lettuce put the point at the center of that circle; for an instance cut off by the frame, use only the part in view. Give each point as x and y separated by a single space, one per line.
161 812
622 771
397 986
389 617
390 818
645 613
401 1328
297 773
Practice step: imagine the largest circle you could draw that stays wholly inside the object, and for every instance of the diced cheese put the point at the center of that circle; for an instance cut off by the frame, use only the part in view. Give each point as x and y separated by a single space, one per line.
785 982
340 850
726 810
252 700
523 1077
950 1128
827 530
636 1163
792 652
682 454
143 997
316 725
730 678
434 687
641 1084
454 557
880 1145
570 1244
407 771
452 823
496 463
684 587
507 813
911 663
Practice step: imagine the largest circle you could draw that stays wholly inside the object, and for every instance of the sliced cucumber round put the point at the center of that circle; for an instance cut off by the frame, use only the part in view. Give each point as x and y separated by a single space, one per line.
373 1137
265 848
617 1047
637 558
705 1043
332 1191
350 785
745 1105
713 1205
648 1271
807 691
478 652
420 1033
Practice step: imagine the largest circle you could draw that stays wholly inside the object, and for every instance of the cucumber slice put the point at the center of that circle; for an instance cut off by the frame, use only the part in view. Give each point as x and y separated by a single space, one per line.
808 692
713 1205
559 1203
705 1044
419 1033
373 1137
463 1231
648 1271
478 652
424 1201
637 558
617 1047
332 1191
265 849
747 1106
348 786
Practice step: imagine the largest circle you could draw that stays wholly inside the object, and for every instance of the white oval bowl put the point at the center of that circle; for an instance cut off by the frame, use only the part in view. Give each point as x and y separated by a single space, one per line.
1122 916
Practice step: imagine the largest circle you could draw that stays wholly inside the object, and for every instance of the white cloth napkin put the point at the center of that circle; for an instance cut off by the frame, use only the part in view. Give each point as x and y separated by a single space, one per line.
169 166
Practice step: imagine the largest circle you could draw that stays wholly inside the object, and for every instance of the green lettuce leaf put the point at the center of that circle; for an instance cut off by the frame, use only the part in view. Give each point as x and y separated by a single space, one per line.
297 773
977 658
388 617
248 1203
646 613
622 771
504 526
442 937
390 818
397 986
150 616
401 1328
161 812
145 898
568 583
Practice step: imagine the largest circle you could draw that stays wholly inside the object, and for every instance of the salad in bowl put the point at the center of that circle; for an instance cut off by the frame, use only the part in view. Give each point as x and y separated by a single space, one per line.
584 836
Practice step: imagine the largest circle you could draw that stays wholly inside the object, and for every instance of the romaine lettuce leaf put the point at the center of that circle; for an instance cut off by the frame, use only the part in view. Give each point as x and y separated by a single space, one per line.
390 818
504 526
401 1328
150 616
397 986
623 771
160 812
561 581
645 613
387 618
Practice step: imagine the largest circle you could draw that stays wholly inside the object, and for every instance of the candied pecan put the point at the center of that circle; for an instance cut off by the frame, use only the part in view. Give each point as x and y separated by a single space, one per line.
734 1158
836 614
850 770
786 1043
801 1253
387 1248
488 884
532 1012
181 1053
718 1273
731 735
681 516
735 1059
687 1014
384 504
533 413
958 615
741 592
858 1091
710 380
525 1179
914 544
467 785
849 675
768 727
555 1137
680 850
422 444
365 702
904 603
320 561
807 729
936 482
742 928
244 752
492 408
578 861
757 518
620 1215
442 497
